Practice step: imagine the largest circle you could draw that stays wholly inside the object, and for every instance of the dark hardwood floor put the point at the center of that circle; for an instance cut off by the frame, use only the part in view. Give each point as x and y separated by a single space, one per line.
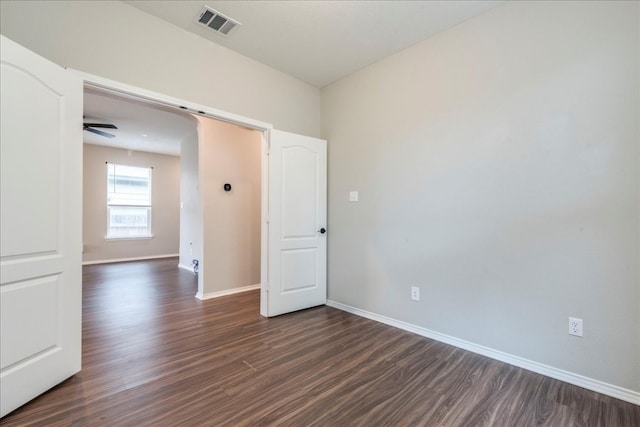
156 356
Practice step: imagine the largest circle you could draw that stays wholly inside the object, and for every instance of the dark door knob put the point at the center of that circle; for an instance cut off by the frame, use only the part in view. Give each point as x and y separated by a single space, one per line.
322 230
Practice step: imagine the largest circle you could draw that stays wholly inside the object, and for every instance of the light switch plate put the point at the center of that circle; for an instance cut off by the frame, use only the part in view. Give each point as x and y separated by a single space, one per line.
353 196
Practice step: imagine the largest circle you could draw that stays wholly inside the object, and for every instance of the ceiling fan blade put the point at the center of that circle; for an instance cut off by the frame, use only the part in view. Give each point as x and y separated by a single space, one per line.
100 125
99 132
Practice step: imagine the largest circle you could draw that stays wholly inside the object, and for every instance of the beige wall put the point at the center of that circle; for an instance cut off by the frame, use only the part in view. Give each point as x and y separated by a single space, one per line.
114 40
165 198
498 170
231 220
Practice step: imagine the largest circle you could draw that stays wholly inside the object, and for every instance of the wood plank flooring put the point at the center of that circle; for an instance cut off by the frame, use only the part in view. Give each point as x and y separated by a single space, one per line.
153 355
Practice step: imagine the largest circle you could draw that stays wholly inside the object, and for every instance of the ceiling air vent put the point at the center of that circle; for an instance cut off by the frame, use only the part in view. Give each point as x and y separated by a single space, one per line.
215 21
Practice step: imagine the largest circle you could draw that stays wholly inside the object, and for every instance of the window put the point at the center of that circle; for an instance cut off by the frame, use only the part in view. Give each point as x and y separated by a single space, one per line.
128 202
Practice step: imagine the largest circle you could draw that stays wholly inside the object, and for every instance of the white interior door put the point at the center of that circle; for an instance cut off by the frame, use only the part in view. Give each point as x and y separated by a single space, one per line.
40 212
297 266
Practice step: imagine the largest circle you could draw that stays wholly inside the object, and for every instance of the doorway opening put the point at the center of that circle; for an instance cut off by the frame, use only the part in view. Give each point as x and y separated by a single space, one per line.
207 189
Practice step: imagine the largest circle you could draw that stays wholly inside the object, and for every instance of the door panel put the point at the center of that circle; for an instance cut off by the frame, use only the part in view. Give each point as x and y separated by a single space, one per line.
34 182
299 268
299 192
41 217
297 212
17 301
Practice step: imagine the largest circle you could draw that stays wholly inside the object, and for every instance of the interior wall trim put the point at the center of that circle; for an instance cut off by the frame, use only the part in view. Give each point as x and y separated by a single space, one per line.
186 267
142 258
226 292
539 368
109 85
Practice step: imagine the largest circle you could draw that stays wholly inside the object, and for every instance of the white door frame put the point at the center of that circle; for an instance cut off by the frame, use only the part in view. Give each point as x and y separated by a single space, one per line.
134 92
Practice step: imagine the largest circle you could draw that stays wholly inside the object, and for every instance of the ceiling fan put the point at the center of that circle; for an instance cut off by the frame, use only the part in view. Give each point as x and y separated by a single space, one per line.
90 127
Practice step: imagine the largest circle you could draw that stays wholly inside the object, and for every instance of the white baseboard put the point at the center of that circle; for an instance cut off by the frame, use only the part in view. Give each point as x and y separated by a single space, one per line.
549 371
226 292
142 258
186 267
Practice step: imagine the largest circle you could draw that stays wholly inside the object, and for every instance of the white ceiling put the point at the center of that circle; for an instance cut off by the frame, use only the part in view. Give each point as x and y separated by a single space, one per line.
319 41
164 128
316 41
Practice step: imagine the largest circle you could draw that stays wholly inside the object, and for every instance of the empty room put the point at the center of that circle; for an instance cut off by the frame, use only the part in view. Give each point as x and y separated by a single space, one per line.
445 204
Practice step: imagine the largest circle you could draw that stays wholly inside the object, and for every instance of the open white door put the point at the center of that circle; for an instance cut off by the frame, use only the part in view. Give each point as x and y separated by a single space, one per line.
41 217
297 271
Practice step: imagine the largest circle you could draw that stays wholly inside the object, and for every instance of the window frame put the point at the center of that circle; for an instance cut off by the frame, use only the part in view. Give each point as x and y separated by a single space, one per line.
148 207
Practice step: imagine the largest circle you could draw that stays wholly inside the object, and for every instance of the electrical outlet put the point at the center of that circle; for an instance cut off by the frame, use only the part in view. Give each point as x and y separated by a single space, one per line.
575 326
415 293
